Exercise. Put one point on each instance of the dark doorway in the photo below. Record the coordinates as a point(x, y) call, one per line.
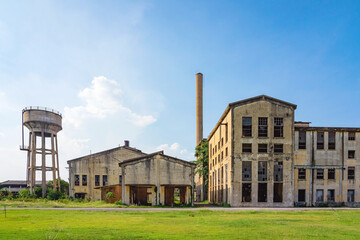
point(246, 192)
point(278, 192)
point(262, 192)
point(140, 195)
point(175, 195)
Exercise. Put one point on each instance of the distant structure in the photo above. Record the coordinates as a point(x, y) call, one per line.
point(43, 125)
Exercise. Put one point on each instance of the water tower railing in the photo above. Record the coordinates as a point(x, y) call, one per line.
point(42, 108)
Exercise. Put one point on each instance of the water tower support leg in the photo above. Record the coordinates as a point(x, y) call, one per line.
point(57, 163)
point(53, 162)
point(43, 155)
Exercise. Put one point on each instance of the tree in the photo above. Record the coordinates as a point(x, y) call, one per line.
point(202, 164)
point(64, 186)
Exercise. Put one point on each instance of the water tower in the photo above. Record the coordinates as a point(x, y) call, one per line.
point(42, 151)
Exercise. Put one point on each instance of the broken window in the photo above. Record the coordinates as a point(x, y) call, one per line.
point(278, 127)
point(320, 140)
point(263, 127)
point(302, 140)
point(278, 171)
point(350, 195)
point(226, 132)
point(77, 180)
point(351, 173)
point(226, 170)
point(319, 195)
point(301, 195)
point(331, 195)
point(278, 192)
point(247, 127)
point(246, 171)
point(331, 143)
point(319, 173)
point(105, 180)
point(278, 148)
point(262, 148)
point(262, 171)
point(97, 180)
point(351, 136)
point(120, 179)
point(331, 173)
point(262, 192)
point(302, 174)
point(246, 192)
point(351, 154)
point(246, 147)
point(84, 180)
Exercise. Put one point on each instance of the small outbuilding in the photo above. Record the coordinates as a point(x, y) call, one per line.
point(157, 179)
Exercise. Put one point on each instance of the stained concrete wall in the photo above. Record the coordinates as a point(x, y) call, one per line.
point(103, 163)
point(312, 159)
point(158, 171)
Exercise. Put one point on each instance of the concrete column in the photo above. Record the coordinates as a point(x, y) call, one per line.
point(43, 158)
point(53, 161)
point(123, 190)
point(199, 108)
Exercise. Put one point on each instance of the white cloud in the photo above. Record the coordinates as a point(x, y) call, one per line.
point(176, 150)
point(103, 98)
point(2, 134)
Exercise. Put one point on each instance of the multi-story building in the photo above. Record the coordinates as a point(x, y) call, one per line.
point(251, 154)
point(259, 156)
point(327, 165)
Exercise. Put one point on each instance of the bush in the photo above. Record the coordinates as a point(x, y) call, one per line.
point(24, 194)
point(110, 195)
point(119, 203)
point(53, 195)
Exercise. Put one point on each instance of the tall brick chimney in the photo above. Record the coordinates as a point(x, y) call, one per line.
point(199, 108)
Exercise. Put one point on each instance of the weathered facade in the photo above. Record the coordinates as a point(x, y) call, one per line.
point(157, 179)
point(91, 175)
point(251, 154)
point(327, 165)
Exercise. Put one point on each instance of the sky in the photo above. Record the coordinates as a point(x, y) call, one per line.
point(125, 70)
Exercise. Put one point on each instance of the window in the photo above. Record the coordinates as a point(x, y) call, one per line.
point(319, 173)
point(222, 142)
point(301, 195)
point(351, 154)
point(302, 174)
point(351, 136)
point(278, 127)
point(320, 140)
point(278, 192)
point(105, 180)
point(302, 140)
point(319, 195)
point(84, 180)
point(331, 173)
point(226, 176)
point(97, 180)
point(246, 147)
point(278, 171)
point(77, 180)
point(215, 160)
point(278, 148)
point(210, 150)
point(351, 173)
point(262, 192)
point(246, 192)
point(215, 148)
point(218, 174)
point(262, 171)
point(120, 179)
point(226, 152)
point(350, 195)
point(222, 155)
point(226, 132)
point(331, 195)
point(263, 127)
point(219, 145)
point(331, 142)
point(247, 126)
point(246, 171)
point(262, 148)
point(222, 175)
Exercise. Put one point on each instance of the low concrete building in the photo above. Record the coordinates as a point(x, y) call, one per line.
point(157, 179)
point(15, 186)
point(91, 175)
point(327, 165)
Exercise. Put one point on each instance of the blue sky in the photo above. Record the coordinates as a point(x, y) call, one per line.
point(126, 69)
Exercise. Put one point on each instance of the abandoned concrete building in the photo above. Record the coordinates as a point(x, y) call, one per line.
point(259, 156)
point(157, 179)
point(132, 176)
point(327, 165)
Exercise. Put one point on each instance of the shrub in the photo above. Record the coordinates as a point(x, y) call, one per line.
point(119, 203)
point(53, 195)
point(24, 194)
point(110, 195)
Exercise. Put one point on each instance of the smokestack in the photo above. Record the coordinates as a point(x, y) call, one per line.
point(199, 108)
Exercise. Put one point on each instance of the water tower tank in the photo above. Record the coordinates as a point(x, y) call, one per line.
point(42, 151)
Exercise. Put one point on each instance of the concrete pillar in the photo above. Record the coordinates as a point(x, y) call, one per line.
point(43, 168)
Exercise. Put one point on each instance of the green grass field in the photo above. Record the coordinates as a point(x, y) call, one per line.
point(201, 224)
